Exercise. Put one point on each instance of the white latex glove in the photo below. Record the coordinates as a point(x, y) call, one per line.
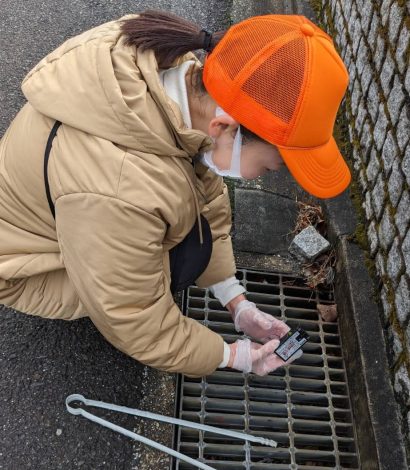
point(257, 358)
point(259, 325)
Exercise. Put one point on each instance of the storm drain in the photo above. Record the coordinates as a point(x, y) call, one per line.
point(304, 407)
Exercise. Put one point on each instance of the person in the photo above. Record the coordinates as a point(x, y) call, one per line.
point(111, 188)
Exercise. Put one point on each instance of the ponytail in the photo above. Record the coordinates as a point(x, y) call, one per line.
point(171, 37)
point(168, 35)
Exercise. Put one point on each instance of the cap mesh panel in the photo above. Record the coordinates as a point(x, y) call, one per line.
point(277, 83)
point(248, 42)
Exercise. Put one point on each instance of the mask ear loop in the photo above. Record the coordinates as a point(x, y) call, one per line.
point(235, 170)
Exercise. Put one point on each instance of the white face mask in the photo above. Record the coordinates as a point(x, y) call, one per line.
point(235, 169)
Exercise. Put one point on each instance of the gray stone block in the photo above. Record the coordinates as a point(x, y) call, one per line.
point(394, 262)
point(373, 101)
point(394, 345)
point(380, 264)
point(380, 128)
point(308, 244)
point(386, 74)
point(342, 42)
point(357, 161)
point(340, 31)
point(403, 127)
point(386, 304)
point(389, 153)
point(373, 168)
point(397, 345)
point(386, 230)
point(356, 95)
point(361, 56)
point(379, 54)
point(366, 77)
point(366, 12)
point(378, 196)
point(397, 14)
point(356, 35)
point(347, 56)
point(360, 116)
point(335, 8)
point(347, 5)
point(385, 10)
point(401, 49)
point(372, 36)
point(402, 301)
point(373, 238)
point(405, 247)
point(368, 206)
point(366, 140)
point(363, 180)
point(402, 217)
point(407, 80)
point(395, 184)
point(352, 72)
point(352, 18)
point(405, 164)
point(402, 381)
point(263, 221)
point(340, 21)
point(396, 101)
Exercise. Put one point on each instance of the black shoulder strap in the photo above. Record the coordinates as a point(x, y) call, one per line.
point(46, 157)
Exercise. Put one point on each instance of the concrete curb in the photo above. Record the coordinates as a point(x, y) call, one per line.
point(242, 9)
point(374, 407)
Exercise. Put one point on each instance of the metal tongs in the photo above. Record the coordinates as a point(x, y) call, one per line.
point(157, 417)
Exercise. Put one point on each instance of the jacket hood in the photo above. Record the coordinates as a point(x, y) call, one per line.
point(96, 84)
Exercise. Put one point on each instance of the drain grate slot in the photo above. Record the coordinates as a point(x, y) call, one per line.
point(304, 407)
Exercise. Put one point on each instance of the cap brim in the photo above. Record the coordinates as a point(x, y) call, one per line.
point(321, 171)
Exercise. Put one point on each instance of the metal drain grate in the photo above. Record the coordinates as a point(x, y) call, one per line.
point(304, 407)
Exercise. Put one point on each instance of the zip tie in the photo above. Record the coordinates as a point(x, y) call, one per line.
point(165, 419)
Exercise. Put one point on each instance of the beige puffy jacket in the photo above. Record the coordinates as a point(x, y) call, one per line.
point(125, 193)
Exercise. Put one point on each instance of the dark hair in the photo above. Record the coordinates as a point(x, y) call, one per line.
point(171, 37)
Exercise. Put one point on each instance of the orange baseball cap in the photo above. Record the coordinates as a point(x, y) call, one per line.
point(281, 77)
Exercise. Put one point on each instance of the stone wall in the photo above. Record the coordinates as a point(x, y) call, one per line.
point(372, 37)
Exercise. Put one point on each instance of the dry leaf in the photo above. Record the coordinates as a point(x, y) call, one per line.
point(328, 312)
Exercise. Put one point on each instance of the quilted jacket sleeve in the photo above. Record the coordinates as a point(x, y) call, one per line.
point(113, 254)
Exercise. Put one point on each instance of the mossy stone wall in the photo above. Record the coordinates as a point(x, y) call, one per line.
point(373, 39)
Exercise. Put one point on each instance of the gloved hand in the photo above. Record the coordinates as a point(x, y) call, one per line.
point(253, 357)
point(259, 325)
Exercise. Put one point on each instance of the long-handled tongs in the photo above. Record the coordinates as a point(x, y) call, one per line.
point(157, 417)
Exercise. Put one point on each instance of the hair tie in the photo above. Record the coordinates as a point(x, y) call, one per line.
point(206, 46)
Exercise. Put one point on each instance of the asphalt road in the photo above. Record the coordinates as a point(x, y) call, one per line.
point(31, 29)
point(42, 361)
